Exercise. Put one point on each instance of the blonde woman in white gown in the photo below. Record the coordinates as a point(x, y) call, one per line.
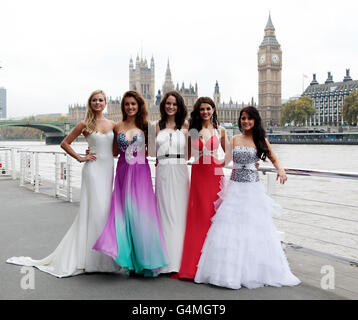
point(172, 179)
point(74, 254)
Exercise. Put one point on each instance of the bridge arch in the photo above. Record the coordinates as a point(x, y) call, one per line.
point(54, 131)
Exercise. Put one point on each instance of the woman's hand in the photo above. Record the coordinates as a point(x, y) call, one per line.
point(88, 157)
point(282, 175)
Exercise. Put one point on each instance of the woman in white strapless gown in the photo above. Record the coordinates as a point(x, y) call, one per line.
point(242, 247)
point(172, 178)
point(74, 254)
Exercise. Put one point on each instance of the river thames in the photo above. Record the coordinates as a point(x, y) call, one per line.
point(318, 213)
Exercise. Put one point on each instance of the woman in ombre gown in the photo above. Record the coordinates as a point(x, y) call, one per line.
point(133, 235)
point(206, 174)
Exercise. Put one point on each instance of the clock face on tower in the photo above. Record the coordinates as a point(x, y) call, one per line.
point(275, 58)
point(262, 59)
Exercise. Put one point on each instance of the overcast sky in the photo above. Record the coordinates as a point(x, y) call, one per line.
point(55, 53)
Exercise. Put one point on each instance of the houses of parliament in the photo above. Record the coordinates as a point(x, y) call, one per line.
point(142, 79)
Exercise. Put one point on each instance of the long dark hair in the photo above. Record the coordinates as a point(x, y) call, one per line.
point(258, 132)
point(181, 114)
point(196, 121)
point(141, 120)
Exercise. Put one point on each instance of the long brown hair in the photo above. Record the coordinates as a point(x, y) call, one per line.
point(196, 121)
point(141, 120)
point(258, 132)
point(179, 116)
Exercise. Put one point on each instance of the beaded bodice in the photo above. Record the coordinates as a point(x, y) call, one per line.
point(244, 169)
point(131, 149)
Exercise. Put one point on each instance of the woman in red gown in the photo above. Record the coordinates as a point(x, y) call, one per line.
point(207, 137)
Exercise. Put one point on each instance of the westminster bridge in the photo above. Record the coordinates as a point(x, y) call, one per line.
point(54, 131)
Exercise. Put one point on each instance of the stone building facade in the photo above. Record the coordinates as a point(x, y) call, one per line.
point(168, 84)
point(269, 59)
point(228, 112)
point(141, 79)
point(76, 112)
point(114, 109)
point(113, 112)
point(329, 98)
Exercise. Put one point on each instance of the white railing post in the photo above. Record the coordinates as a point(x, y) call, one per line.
point(13, 168)
point(270, 187)
point(22, 169)
point(7, 162)
point(37, 173)
point(68, 178)
point(57, 174)
point(32, 168)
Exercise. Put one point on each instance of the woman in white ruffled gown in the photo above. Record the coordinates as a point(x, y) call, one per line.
point(242, 247)
point(172, 178)
point(74, 254)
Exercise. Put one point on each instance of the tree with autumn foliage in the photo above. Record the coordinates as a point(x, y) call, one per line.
point(350, 108)
point(297, 111)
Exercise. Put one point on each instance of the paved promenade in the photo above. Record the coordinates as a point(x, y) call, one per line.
point(32, 224)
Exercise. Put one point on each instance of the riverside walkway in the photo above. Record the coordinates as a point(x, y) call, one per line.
point(32, 224)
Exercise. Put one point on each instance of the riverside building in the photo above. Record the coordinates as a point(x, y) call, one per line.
point(3, 114)
point(329, 98)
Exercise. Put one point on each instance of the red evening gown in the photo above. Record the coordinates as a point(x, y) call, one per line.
point(205, 185)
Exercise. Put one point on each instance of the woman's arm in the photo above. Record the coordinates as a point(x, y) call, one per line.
point(65, 144)
point(223, 138)
point(228, 153)
point(115, 145)
point(225, 145)
point(187, 149)
point(153, 130)
point(273, 158)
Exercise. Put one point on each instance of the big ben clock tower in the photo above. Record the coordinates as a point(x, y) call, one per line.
point(269, 67)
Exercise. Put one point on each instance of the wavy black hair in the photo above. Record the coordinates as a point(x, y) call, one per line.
point(196, 121)
point(181, 114)
point(258, 132)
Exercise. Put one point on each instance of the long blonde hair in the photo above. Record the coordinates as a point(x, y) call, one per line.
point(90, 118)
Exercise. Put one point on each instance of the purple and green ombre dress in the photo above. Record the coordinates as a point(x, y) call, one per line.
point(133, 235)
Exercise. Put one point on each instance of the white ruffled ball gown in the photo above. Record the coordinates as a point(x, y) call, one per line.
point(242, 247)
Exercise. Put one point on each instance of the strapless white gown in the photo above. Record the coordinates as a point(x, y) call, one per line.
point(242, 247)
point(74, 254)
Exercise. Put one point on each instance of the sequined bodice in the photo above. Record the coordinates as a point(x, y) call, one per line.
point(244, 159)
point(131, 149)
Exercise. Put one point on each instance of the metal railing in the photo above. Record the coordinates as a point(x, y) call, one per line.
point(320, 233)
point(54, 172)
point(66, 175)
point(7, 162)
